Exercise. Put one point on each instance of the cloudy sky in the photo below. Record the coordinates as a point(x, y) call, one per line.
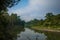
point(31, 9)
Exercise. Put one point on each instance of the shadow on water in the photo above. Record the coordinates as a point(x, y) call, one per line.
point(50, 35)
point(29, 34)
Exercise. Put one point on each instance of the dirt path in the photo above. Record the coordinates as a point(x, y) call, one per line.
point(45, 29)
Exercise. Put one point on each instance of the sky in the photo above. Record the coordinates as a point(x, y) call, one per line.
point(35, 9)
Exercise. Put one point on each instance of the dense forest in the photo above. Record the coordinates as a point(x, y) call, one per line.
point(10, 25)
point(50, 20)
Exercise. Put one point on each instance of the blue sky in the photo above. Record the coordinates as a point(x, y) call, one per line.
point(31, 9)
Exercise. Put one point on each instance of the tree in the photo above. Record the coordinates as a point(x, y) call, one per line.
point(50, 21)
point(7, 30)
point(4, 4)
point(49, 15)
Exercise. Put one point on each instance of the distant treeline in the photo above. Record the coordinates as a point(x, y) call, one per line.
point(10, 25)
point(50, 20)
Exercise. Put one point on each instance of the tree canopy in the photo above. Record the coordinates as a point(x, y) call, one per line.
point(4, 4)
point(10, 25)
point(50, 20)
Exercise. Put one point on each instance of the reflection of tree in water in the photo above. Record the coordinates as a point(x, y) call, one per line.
point(31, 35)
point(51, 35)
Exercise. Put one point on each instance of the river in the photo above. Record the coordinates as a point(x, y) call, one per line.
point(30, 34)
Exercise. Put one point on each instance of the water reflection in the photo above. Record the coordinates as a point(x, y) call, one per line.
point(50, 35)
point(29, 34)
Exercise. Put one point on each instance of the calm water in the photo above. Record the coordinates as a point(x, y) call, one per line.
point(29, 34)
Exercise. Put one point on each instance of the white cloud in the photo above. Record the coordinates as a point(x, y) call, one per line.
point(33, 5)
point(35, 8)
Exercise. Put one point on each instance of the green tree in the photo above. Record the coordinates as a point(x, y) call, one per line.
point(9, 25)
point(4, 4)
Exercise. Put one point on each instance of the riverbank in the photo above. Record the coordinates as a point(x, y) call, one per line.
point(46, 29)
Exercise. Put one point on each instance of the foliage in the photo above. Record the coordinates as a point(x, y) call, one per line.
point(4, 4)
point(51, 20)
point(10, 25)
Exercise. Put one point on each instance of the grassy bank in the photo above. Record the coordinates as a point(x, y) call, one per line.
point(46, 29)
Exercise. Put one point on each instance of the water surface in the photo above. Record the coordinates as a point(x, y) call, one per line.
point(30, 34)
